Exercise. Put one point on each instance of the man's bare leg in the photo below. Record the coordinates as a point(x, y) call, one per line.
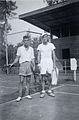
point(43, 87)
point(28, 79)
point(20, 88)
point(49, 84)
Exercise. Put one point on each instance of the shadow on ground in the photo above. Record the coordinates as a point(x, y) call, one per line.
point(14, 95)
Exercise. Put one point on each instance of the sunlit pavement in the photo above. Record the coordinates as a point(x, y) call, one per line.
point(64, 106)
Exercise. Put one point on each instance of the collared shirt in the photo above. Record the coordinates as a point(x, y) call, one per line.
point(25, 54)
point(46, 50)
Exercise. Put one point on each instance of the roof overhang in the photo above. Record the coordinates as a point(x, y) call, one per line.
point(52, 17)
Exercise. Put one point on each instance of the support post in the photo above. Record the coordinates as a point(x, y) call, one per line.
point(65, 66)
point(75, 75)
point(50, 35)
point(5, 34)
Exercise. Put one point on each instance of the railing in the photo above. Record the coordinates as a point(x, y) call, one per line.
point(65, 64)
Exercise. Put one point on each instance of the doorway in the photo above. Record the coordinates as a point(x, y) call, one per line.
point(66, 55)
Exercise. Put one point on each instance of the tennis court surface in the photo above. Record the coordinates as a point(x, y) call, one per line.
point(64, 106)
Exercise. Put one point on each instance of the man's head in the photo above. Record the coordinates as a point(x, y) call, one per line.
point(26, 41)
point(45, 38)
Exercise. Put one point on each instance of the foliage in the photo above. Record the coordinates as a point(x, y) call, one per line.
point(51, 2)
point(7, 8)
point(2, 55)
point(11, 53)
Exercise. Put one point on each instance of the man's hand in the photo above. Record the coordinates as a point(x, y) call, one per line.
point(15, 61)
point(54, 67)
point(11, 65)
point(32, 66)
point(39, 66)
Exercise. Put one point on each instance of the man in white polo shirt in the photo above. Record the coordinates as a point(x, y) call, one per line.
point(25, 55)
point(46, 63)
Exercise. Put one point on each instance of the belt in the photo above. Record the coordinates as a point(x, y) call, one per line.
point(25, 62)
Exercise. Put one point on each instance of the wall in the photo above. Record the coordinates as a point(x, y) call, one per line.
point(67, 42)
point(64, 43)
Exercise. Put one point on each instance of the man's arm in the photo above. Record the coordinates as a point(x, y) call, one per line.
point(39, 57)
point(54, 59)
point(33, 64)
point(15, 61)
point(33, 60)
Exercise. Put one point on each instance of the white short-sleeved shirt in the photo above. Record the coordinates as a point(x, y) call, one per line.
point(25, 54)
point(46, 50)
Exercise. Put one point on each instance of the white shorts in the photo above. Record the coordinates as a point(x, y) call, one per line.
point(46, 65)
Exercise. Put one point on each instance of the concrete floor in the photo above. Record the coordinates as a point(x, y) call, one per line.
point(64, 106)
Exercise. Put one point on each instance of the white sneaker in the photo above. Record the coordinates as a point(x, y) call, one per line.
point(28, 97)
point(42, 95)
point(50, 93)
point(18, 99)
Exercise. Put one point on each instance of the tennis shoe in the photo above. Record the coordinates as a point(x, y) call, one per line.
point(51, 94)
point(18, 99)
point(29, 97)
point(42, 95)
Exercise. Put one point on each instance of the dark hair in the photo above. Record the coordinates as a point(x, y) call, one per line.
point(25, 37)
point(44, 35)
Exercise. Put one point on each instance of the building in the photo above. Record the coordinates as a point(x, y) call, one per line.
point(62, 20)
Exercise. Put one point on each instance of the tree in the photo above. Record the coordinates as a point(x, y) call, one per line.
point(51, 2)
point(7, 8)
point(11, 53)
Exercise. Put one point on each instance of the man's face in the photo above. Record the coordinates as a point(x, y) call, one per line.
point(45, 39)
point(26, 42)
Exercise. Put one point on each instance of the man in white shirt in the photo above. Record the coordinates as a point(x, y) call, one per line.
point(46, 63)
point(25, 56)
